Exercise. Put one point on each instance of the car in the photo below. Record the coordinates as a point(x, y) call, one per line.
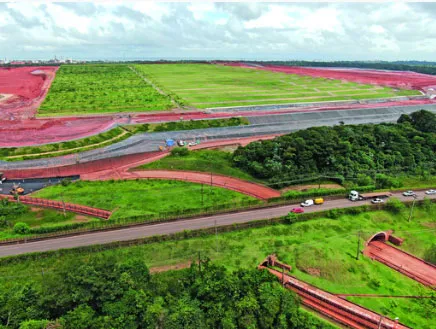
point(377, 200)
point(409, 193)
point(192, 144)
point(307, 203)
point(297, 210)
point(430, 192)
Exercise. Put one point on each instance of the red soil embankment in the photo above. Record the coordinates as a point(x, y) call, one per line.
point(407, 264)
point(401, 79)
point(29, 85)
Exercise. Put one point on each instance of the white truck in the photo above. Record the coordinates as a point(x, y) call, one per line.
point(356, 196)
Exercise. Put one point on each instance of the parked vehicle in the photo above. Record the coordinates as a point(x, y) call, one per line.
point(430, 192)
point(356, 196)
point(377, 200)
point(307, 203)
point(297, 210)
point(409, 193)
point(319, 201)
point(181, 143)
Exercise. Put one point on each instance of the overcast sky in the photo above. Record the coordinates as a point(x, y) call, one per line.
point(311, 31)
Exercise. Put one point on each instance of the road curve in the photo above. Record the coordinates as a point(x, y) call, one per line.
point(173, 227)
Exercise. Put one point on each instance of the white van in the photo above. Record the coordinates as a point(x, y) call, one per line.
point(307, 203)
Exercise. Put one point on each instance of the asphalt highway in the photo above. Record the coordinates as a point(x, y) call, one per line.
point(175, 226)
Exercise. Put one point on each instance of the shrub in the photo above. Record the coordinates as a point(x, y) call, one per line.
point(395, 206)
point(430, 254)
point(179, 151)
point(21, 228)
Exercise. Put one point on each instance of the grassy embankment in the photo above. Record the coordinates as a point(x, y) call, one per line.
point(205, 86)
point(37, 218)
point(139, 197)
point(321, 251)
point(110, 137)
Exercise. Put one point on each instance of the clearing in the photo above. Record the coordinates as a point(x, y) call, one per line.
point(209, 86)
point(89, 89)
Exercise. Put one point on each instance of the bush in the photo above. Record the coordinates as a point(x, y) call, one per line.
point(395, 206)
point(430, 254)
point(291, 218)
point(179, 151)
point(21, 228)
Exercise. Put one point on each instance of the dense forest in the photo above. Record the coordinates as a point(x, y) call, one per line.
point(420, 67)
point(350, 151)
point(104, 294)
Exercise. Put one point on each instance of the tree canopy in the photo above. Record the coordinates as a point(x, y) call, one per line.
point(347, 150)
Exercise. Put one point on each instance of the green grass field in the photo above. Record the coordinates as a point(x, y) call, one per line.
point(208, 86)
point(324, 247)
point(107, 88)
point(132, 198)
point(215, 161)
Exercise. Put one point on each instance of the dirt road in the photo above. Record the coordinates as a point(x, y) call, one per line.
point(173, 227)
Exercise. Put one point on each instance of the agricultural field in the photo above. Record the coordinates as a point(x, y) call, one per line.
point(321, 251)
point(89, 89)
point(139, 197)
point(209, 86)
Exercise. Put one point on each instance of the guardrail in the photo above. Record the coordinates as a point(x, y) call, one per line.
point(60, 205)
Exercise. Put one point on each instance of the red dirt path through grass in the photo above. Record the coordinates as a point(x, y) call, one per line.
point(28, 85)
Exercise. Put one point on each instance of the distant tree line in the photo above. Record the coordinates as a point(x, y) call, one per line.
point(103, 293)
point(363, 151)
point(415, 66)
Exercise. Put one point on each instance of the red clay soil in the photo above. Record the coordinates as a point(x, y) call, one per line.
point(29, 85)
point(28, 132)
point(334, 307)
point(238, 185)
point(400, 79)
point(405, 263)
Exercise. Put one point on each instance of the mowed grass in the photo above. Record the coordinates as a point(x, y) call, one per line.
point(138, 197)
point(324, 247)
point(102, 88)
point(208, 86)
point(210, 161)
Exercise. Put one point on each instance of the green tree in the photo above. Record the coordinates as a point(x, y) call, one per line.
point(21, 228)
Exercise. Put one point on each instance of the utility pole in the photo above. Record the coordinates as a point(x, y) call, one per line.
point(411, 209)
point(380, 322)
point(283, 277)
point(216, 237)
point(63, 204)
point(358, 245)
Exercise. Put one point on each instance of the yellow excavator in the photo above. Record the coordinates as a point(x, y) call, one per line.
point(17, 189)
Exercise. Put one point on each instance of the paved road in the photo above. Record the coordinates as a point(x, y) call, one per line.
point(172, 227)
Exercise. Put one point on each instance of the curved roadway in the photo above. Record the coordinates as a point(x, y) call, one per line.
point(259, 125)
point(137, 232)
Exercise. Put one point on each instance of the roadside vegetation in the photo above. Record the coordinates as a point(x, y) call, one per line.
point(100, 88)
point(208, 86)
point(321, 251)
point(110, 137)
point(18, 220)
point(141, 197)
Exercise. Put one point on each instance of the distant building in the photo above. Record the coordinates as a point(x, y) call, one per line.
point(18, 63)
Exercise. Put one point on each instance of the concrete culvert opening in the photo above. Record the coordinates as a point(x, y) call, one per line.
point(380, 236)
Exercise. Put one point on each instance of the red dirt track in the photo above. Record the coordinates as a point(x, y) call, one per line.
point(230, 183)
point(405, 263)
point(401, 79)
point(334, 307)
point(28, 90)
